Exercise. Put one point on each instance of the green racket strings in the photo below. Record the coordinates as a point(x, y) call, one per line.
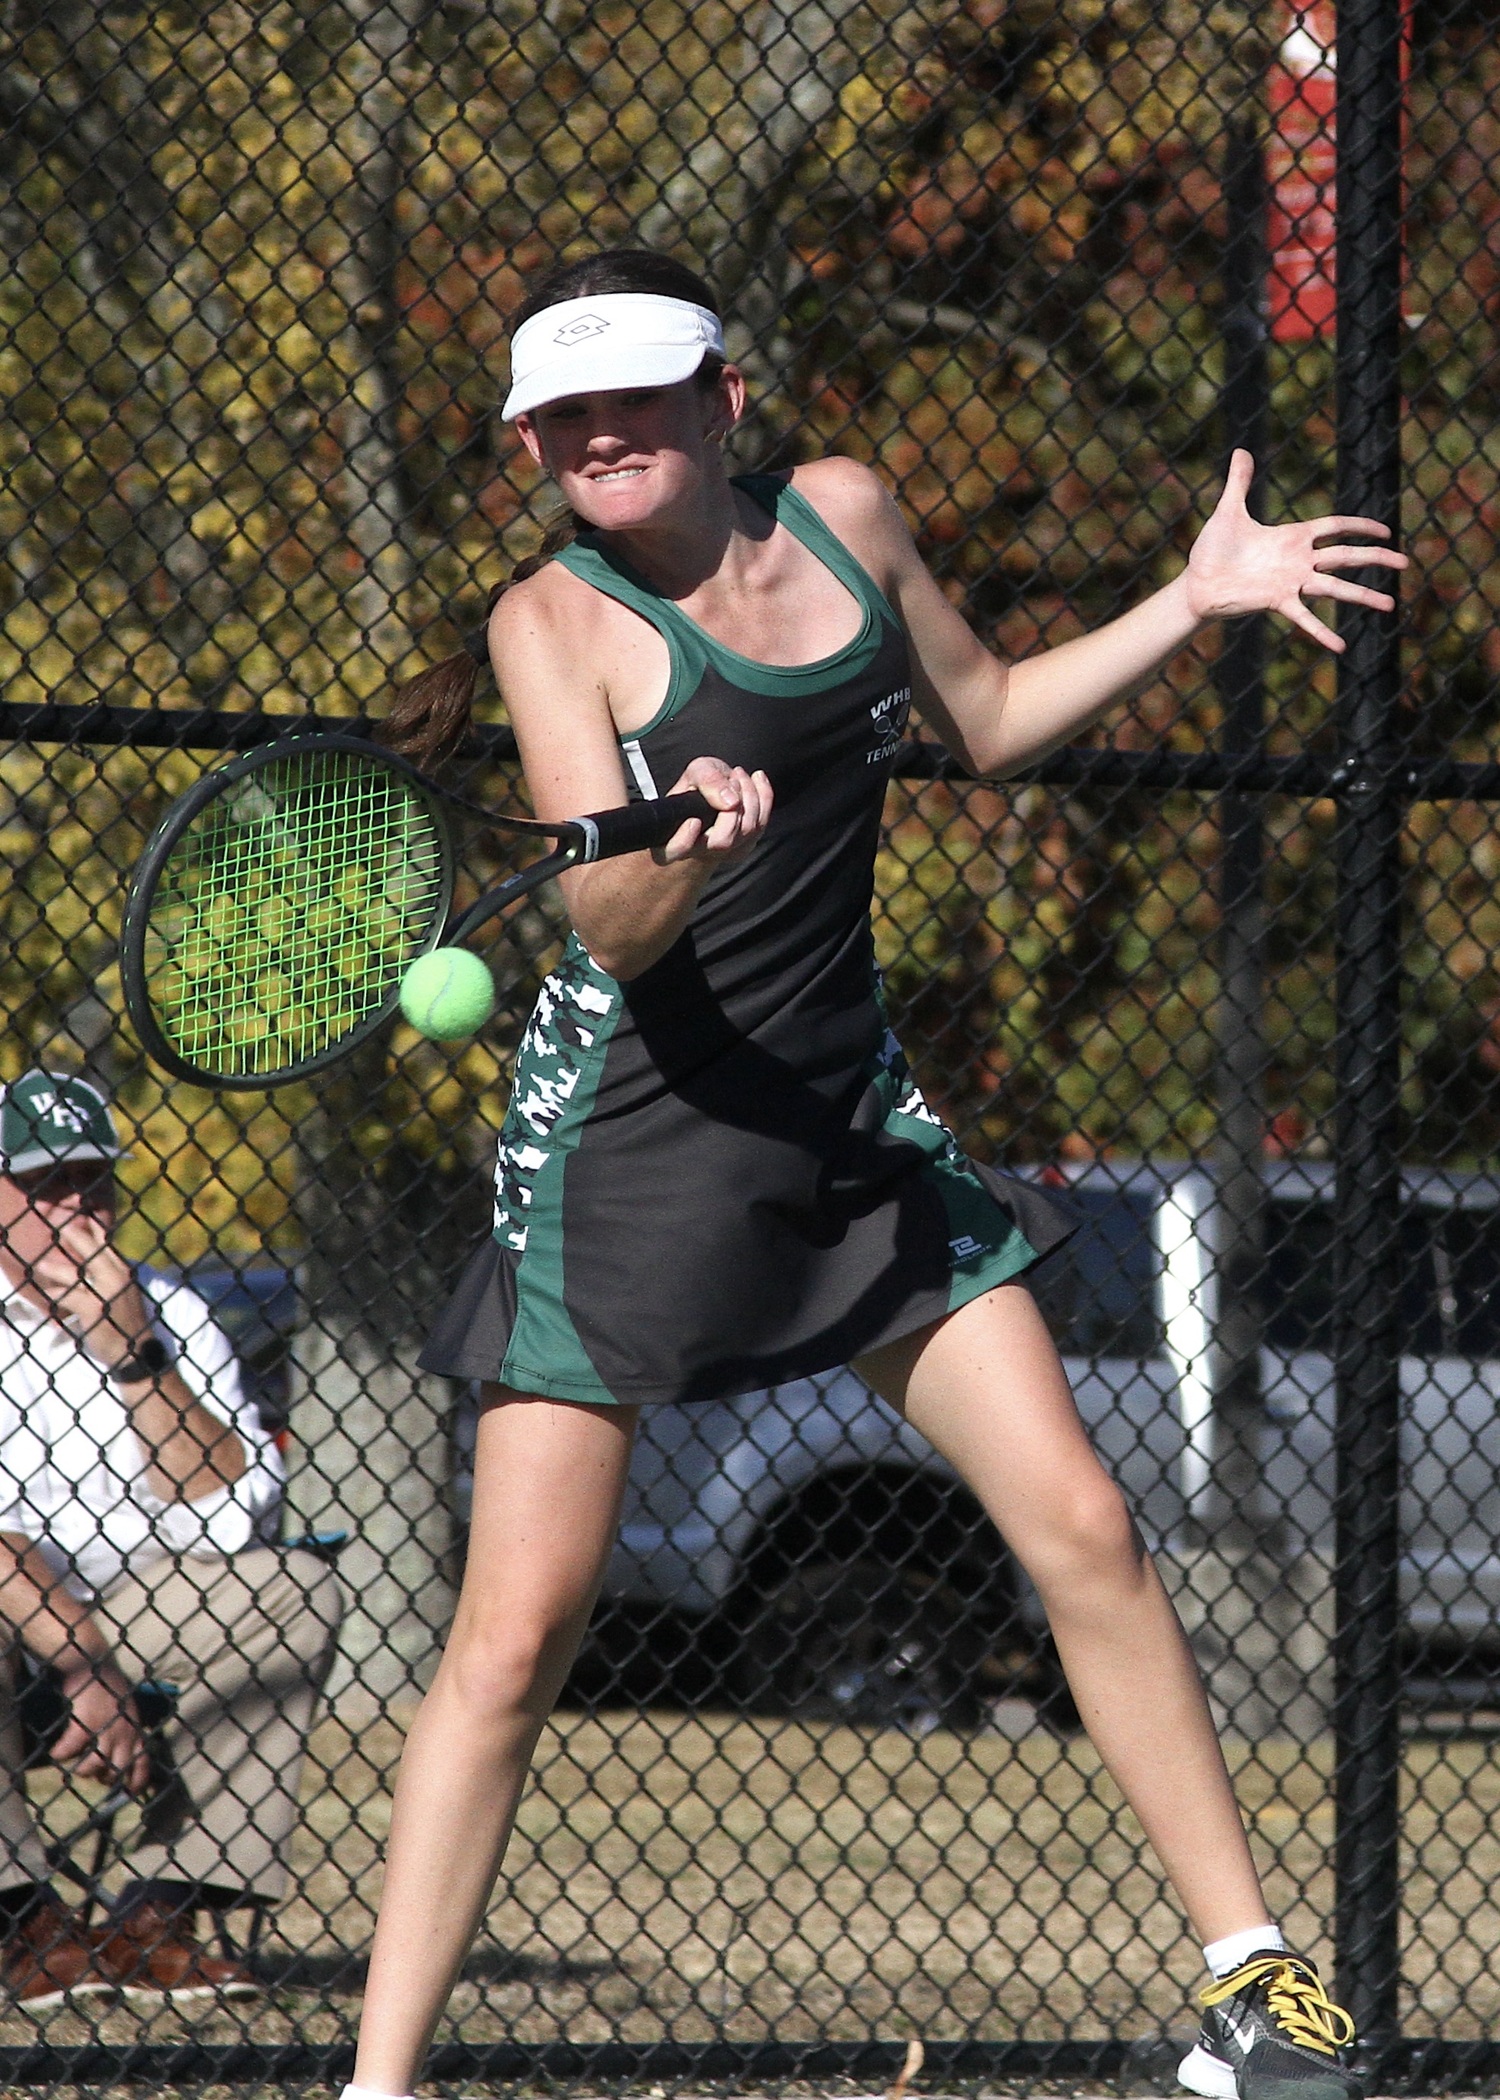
point(287, 912)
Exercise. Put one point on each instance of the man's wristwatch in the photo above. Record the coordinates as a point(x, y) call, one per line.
point(149, 1361)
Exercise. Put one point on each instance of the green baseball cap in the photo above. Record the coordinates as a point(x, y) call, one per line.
point(48, 1116)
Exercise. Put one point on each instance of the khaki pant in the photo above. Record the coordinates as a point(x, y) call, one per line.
point(248, 1642)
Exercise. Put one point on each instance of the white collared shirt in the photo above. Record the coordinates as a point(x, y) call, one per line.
point(72, 1471)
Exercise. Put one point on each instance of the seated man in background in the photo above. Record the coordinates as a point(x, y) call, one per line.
point(136, 1486)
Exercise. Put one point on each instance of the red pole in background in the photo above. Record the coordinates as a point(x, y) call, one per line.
point(1301, 152)
point(1301, 157)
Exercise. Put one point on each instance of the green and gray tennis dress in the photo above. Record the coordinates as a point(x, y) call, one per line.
point(719, 1175)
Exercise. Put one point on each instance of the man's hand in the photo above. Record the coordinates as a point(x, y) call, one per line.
point(91, 1290)
point(1238, 566)
point(103, 1738)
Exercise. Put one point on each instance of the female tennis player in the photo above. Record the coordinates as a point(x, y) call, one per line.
point(715, 1173)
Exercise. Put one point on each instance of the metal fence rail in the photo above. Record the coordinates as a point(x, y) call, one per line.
point(1225, 977)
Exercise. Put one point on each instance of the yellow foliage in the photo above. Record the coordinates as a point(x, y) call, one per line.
point(189, 481)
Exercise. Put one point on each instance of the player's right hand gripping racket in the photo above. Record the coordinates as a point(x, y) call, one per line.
point(281, 900)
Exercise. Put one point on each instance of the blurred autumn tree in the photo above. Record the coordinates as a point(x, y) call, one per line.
point(257, 268)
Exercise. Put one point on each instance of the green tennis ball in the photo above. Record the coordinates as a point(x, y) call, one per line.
point(447, 994)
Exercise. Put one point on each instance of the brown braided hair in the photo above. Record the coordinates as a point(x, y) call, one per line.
point(431, 713)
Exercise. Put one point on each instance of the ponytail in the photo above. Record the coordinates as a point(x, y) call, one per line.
point(433, 712)
point(430, 715)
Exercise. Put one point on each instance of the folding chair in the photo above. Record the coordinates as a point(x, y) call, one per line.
point(323, 1545)
point(43, 1715)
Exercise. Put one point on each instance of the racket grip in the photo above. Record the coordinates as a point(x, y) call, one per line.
point(639, 825)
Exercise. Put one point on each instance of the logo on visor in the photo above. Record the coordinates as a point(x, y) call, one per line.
point(580, 330)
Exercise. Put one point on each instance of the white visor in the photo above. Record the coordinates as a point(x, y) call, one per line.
point(603, 345)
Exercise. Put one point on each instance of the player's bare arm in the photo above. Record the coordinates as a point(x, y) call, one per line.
point(995, 718)
point(548, 640)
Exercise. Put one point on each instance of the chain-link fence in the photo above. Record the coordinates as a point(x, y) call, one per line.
point(1226, 978)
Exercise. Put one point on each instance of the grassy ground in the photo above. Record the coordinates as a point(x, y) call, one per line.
point(682, 1876)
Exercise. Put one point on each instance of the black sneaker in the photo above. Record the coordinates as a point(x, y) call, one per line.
point(1271, 2032)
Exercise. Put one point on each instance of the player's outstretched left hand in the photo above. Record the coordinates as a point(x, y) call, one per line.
point(1238, 566)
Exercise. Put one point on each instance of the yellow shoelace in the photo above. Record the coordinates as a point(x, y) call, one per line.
point(1295, 1998)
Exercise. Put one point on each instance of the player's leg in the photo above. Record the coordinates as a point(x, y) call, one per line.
point(987, 1389)
point(548, 1481)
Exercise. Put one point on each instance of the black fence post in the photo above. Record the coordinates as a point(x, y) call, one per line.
point(1233, 1499)
point(1367, 1675)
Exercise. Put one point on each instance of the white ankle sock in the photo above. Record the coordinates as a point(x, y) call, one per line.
point(364, 2092)
point(1223, 1956)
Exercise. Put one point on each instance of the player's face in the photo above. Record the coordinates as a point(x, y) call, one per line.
point(634, 457)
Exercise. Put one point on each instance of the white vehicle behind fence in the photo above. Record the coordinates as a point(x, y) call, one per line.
point(812, 1549)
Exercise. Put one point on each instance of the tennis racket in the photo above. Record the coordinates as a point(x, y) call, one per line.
point(281, 900)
